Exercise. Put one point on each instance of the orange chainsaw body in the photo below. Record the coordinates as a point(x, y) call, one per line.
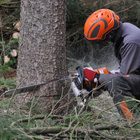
point(103, 70)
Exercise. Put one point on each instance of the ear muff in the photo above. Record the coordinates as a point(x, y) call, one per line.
point(111, 36)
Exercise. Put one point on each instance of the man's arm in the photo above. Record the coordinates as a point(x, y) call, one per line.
point(130, 62)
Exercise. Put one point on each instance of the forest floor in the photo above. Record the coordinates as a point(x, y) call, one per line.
point(101, 122)
point(9, 74)
point(6, 79)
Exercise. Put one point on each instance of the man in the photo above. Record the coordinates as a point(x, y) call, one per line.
point(105, 25)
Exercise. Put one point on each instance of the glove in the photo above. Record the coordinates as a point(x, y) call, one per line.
point(91, 75)
point(87, 78)
point(91, 78)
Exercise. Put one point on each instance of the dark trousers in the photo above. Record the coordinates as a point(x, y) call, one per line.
point(122, 87)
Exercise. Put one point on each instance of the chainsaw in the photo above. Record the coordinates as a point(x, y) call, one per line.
point(79, 83)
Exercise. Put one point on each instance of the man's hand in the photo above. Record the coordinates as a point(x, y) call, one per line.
point(87, 78)
point(91, 77)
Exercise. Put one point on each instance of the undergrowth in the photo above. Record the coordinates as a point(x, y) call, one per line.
point(100, 121)
point(7, 83)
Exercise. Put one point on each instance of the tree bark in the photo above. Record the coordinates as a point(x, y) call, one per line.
point(42, 52)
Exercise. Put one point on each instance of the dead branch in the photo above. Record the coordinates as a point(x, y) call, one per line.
point(38, 117)
point(112, 3)
point(106, 127)
point(128, 8)
point(46, 130)
point(60, 131)
point(104, 135)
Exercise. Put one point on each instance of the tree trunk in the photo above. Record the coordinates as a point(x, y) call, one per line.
point(42, 52)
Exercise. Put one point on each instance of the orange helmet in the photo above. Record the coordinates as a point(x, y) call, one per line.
point(100, 23)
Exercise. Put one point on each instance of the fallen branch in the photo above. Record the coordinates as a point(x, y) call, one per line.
point(46, 130)
point(106, 127)
point(36, 118)
point(59, 132)
point(104, 135)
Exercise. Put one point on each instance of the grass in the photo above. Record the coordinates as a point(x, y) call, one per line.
point(101, 122)
point(7, 83)
point(65, 120)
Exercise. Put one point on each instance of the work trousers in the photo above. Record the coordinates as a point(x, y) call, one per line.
point(122, 87)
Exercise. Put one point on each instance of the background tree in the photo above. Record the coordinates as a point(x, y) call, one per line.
point(84, 51)
point(42, 55)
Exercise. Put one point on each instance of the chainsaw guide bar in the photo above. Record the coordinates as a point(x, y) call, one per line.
point(31, 87)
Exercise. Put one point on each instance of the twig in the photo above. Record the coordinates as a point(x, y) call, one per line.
point(70, 124)
point(104, 135)
point(38, 117)
point(65, 104)
point(11, 97)
point(78, 61)
point(106, 127)
point(75, 33)
point(128, 8)
point(21, 130)
point(53, 108)
point(62, 130)
point(29, 118)
point(112, 3)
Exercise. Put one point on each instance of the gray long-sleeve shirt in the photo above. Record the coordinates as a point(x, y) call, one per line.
point(127, 45)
